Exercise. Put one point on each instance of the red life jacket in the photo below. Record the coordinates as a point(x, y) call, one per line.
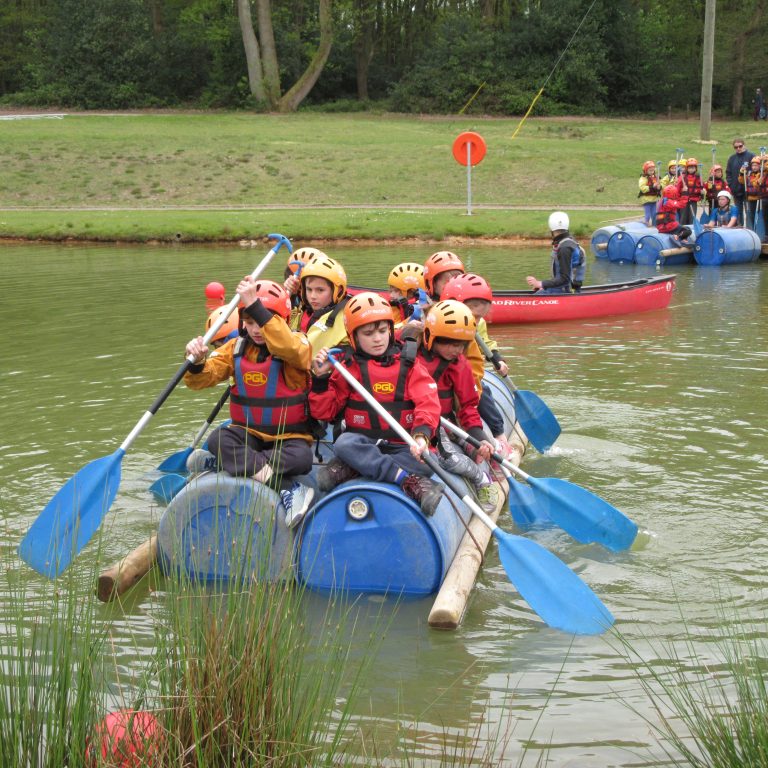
point(713, 186)
point(260, 398)
point(754, 186)
point(436, 366)
point(387, 383)
point(666, 216)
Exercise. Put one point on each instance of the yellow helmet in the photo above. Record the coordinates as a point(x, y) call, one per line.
point(672, 165)
point(329, 270)
point(407, 277)
point(303, 256)
point(449, 319)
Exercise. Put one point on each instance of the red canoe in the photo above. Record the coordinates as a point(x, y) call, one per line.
point(625, 298)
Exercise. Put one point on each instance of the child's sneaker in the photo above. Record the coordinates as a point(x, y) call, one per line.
point(334, 473)
point(424, 491)
point(200, 461)
point(488, 497)
point(296, 502)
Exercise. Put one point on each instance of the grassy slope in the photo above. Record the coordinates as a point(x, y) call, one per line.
point(237, 162)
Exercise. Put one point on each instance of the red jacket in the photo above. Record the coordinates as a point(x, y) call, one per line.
point(455, 388)
point(666, 216)
point(693, 182)
point(713, 187)
point(329, 397)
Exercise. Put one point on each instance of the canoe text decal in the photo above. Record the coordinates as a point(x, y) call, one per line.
point(525, 302)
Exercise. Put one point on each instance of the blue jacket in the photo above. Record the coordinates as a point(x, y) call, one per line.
point(735, 161)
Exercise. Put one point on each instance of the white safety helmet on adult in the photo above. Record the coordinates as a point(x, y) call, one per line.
point(725, 193)
point(558, 220)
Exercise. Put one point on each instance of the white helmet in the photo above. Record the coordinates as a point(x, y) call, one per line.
point(725, 193)
point(558, 220)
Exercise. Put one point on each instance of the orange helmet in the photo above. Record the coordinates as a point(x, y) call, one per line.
point(330, 270)
point(407, 277)
point(364, 308)
point(648, 166)
point(691, 161)
point(436, 264)
point(466, 286)
point(715, 168)
point(274, 297)
point(230, 324)
point(671, 192)
point(449, 320)
point(304, 256)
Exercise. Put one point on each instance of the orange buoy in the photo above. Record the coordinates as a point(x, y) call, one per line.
point(126, 738)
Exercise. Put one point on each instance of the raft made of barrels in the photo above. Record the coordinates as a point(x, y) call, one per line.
point(653, 248)
point(600, 237)
point(722, 245)
point(621, 245)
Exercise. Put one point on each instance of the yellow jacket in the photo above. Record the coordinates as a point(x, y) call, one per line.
point(646, 195)
point(291, 347)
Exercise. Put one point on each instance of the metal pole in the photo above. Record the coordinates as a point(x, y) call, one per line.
point(469, 178)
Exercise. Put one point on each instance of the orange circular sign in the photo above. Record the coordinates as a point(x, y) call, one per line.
point(476, 144)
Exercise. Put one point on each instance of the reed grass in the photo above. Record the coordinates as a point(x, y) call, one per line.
point(710, 714)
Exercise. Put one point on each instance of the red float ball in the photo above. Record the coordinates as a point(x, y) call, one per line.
point(214, 296)
point(126, 739)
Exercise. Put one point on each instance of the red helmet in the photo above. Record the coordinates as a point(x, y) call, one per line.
point(648, 166)
point(466, 286)
point(691, 161)
point(436, 264)
point(364, 308)
point(274, 297)
point(715, 168)
point(671, 192)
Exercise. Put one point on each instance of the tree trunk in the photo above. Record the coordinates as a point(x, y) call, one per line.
point(364, 35)
point(300, 89)
point(740, 44)
point(251, 47)
point(268, 53)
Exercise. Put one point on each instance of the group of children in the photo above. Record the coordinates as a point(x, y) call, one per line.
point(670, 203)
point(416, 352)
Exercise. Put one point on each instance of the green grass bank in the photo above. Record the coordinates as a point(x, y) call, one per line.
point(228, 176)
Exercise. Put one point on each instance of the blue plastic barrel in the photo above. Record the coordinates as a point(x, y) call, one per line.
point(726, 246)
point(621, 245)
point(649, 247)
point(600, 237)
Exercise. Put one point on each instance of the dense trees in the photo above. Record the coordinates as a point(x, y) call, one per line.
point(407, 55)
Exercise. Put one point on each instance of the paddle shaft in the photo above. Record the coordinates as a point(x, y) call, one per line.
point(451, 427)
point(452, 482)
point(189, 361)
point(214, 413)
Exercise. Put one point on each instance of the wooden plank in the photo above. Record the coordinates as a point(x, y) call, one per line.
point(674, 251)
point(452, 599)
point(124, 574)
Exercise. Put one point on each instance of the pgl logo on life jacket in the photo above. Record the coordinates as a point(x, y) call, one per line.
point(255, 378)
point(384, 388)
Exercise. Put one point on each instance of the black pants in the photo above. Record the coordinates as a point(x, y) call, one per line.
point(242, 454)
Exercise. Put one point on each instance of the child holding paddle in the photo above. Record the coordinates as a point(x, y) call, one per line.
point(690, 188)
point(714, 184)
point(448, 329)
point(404, 282)
point(270, 436)
point(368, 447)
point(292, 276)
point(474, 292)
point(323, 293)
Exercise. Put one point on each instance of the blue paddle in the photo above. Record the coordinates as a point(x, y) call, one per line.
point(580, 513)
point(75, 513)
point(177, 462)
point(167, 486)
point(537, 420)
point(552, 589)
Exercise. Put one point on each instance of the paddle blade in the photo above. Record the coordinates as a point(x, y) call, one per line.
point(550, 587)
point(72, 516)
point(582, 514)
point(176, 462)
point(524, 508)
point(537, 420)
point(167, 486)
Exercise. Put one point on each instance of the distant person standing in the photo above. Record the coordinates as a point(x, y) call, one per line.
point(759, 104)
point(568, 261)
point(739, 159)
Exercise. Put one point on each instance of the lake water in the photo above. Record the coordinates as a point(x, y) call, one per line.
point(663, 414)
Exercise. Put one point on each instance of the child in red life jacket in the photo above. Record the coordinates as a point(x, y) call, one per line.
point(404, 282)
point(448, 329)
point(690, 189)
point(666, 216)
point(474, 292)
point(323, 294)
point(269, 438)
point(650, 191)
point(714, 184)
point(368, 447)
